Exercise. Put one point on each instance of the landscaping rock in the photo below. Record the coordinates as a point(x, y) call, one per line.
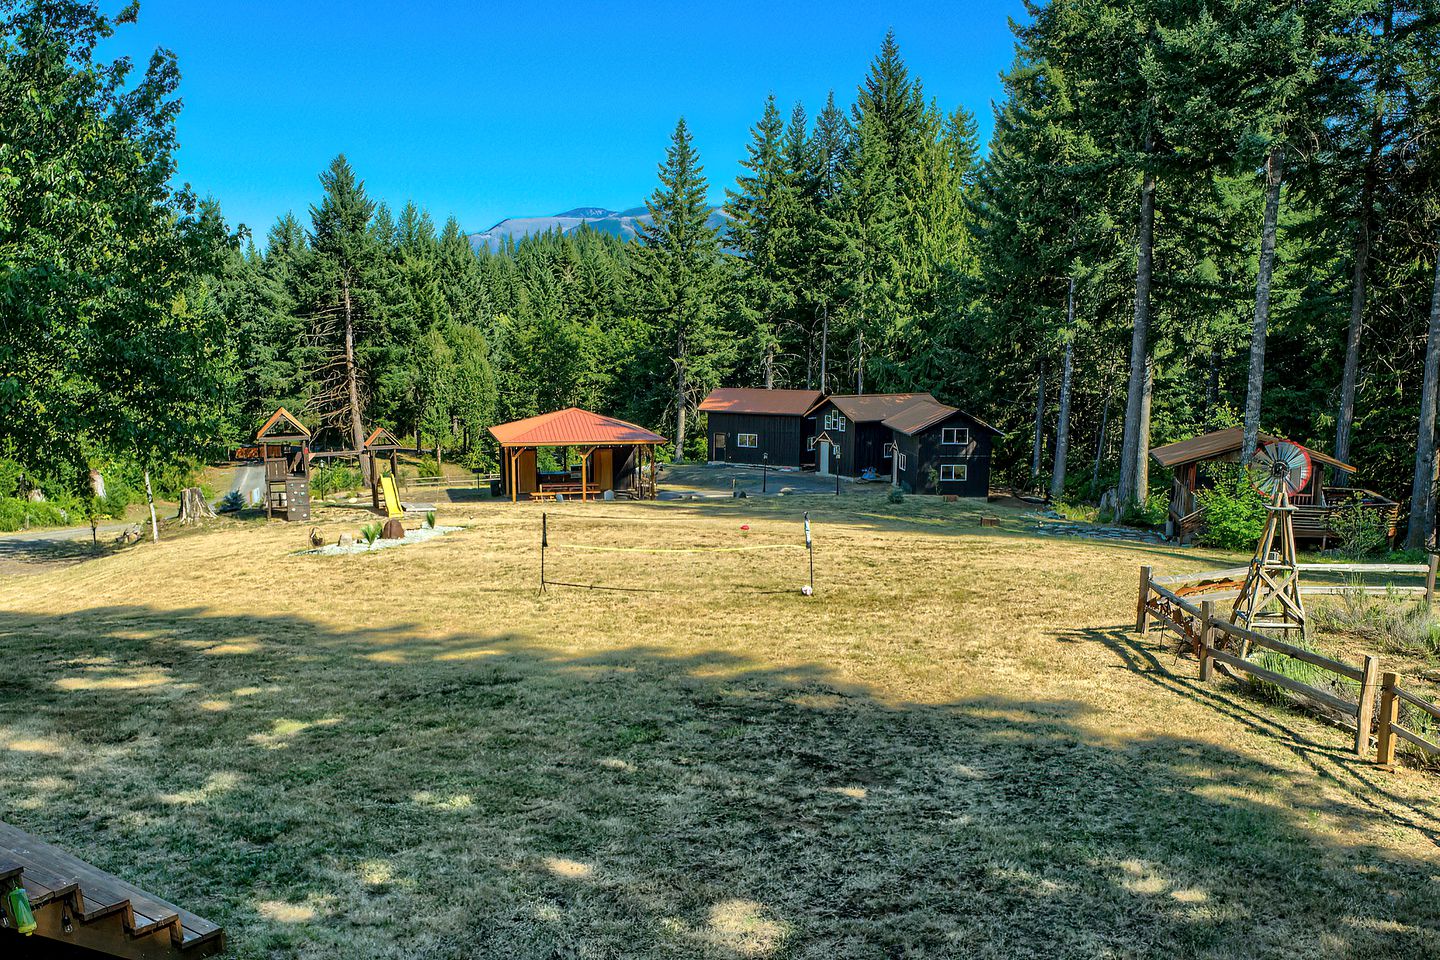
point(345, 542)
point(393, 530)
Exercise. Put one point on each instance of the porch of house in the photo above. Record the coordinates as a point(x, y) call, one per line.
point(1316, 504)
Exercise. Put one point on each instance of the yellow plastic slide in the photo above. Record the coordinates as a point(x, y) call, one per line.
point(392, 497)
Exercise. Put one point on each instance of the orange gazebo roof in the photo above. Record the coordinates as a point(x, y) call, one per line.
point(571, 427)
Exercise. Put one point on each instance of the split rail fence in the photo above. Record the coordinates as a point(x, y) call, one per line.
point(1187, 605)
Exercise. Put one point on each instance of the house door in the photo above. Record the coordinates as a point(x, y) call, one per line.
point(824, 449)
point(717, 447)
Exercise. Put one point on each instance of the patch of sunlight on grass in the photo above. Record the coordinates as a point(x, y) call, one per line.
point(569, 869)
point(854, 793)
point(741, 926)
point(615, 763)
point(376, 873)
point(472, 653)
point(215, 706)
point(1190, 895)
point(217, 784)
point(249, 691)
point(440, 801)
point(234, 648)
point(386, 656)
point(282, 731)
point(282, 912)
point(121, 678)
point(24, 744)
point(968, 772)
point(1141, 878)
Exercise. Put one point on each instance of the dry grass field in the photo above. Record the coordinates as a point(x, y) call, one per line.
point(957, 748)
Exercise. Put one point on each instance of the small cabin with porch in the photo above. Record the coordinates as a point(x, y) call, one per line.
point(1192, 463)
point(759, 426)
point(616, 458)
point(936, 448)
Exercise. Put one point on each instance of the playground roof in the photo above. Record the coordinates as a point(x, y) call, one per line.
point(919, 416)
point(279, 419)
point(571, 427)
point(1224, 444)
point(785, 403)
point(381, 439)
point(869, 407)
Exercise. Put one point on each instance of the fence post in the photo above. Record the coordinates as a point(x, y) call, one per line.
point(1430, 577)
point(1389, 716)
point(1207, 639)
point(1370, 677)
point(1142, 609)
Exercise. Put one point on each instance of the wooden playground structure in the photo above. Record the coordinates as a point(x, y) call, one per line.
point(283, 445)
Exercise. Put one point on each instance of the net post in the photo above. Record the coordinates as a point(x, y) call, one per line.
point(544, 542)
point(810, 549)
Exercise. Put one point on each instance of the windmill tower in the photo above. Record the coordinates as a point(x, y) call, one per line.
point(1270, 598)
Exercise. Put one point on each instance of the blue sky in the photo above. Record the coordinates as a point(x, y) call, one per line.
point(488, 110)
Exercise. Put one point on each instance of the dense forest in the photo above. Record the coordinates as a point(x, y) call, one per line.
point(1189, 215)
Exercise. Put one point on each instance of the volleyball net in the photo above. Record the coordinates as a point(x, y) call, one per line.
point(666, 555)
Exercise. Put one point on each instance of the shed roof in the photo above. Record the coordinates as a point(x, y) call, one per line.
point(870, 407)
point(1221, 443)
point(789, 403)
point(571, 426)
point(920, 416)
point(273, 429)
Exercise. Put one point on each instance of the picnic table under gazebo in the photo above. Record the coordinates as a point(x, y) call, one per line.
point(615, 457)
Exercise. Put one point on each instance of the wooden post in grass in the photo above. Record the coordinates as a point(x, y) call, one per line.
point(1389, 717)
point(1370, 679)
point(1207, 639)
point(1142, 608)
point(544, 542)
point(1430, 578)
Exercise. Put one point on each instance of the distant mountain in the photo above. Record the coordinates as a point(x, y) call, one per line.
point(621, 223)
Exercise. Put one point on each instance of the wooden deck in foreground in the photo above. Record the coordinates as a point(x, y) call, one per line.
point(78, 904)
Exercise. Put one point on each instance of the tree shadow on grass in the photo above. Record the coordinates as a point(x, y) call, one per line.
point(374, 793)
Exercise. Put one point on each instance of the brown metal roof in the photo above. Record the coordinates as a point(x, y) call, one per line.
point(920, 416)
point(1221, 443)
point(870, 407)
point(788, 403)
point(571, 427)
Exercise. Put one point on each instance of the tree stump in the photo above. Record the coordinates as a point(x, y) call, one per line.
point(393, 530)
point(194, 507)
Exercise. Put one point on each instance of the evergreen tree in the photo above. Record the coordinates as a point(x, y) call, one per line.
point(678, 274)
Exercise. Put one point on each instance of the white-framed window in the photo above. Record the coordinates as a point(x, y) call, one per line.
point(900, 460)
point(809, 443)
point(889, 451)
point(746, 440)
point(835, 420)
point(953, 471)
point(955, 436)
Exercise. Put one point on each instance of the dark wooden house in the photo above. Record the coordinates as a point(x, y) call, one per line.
point(853, 439)
point(940, 449)
point(757, 426)
point(1194, 463)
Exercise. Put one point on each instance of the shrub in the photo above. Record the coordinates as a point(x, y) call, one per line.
point(1153, 514)
point(232, 502)
point(1362, 532)
point(19, 514)
point(430, 519)
point(895, 496)
point(335, 477)
point(371, 532)
point(429, 468)
point(1077, 512)
point(1234, 514)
